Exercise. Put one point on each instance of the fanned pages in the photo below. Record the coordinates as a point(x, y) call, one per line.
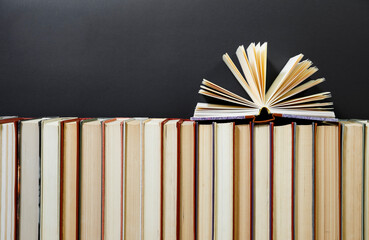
point(277, 99)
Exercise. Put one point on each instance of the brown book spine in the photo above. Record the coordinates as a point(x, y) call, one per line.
point(16, 185)
point(61, 195)
point(61, 222)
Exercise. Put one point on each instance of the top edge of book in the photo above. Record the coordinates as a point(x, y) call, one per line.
point(299, 117)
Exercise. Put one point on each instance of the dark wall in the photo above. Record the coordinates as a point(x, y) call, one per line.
point(148, 57)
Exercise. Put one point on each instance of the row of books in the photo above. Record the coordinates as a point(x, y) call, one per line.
point(138, 178)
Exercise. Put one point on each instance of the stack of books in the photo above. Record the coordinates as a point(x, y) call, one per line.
point(138, 178)
point(265, 167)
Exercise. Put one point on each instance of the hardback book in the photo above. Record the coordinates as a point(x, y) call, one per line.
point(133, 156)
point(327, 182)
point(112, 178)
point(242, 181)
point(352, 160)
point(50, 178)
point(69, 178)
point(90, 179)
point(303, 182)
point(223, 180)
point(170, 202)
point(366, 182)
point(283, 182)
point(262, 185)
point(29, 202)
point(8, 178)
point(280, 98)
point(152, 178)
point(205, 181)
point(187, 217)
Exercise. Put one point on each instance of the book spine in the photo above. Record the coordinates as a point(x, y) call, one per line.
point(61, 232)
point(162, 176)
point(232, 163)
point(179, 123)
point(363, 185)
point(340, 147)
point(194, 177)
point(271, 175)
point(17, 188)
point(252, 180)
point(196, 174)
point(293, 126)
point(314, 177)
point(213, 180)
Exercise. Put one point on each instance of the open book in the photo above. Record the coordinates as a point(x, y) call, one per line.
point(277, 99)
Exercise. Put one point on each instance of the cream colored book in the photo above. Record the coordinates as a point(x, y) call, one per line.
point(113, 178)
point(205, 182)
point(152, 179)
point(327, 183)
point(304, 187)
point(133, 156)
point(187, 181)
point(30, 176)
point(282, 182)
point(170, 179)
point(280, 98)
point(50, 179)
point(90, 179)
point(261, 181)
point(352, 180)
point(69, 179)
point(242, 182)
point(223, 180)
point(7, 181)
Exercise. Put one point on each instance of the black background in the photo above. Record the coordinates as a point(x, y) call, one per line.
point(148, 57)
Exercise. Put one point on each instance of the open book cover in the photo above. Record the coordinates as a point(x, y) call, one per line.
point(279, 99)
